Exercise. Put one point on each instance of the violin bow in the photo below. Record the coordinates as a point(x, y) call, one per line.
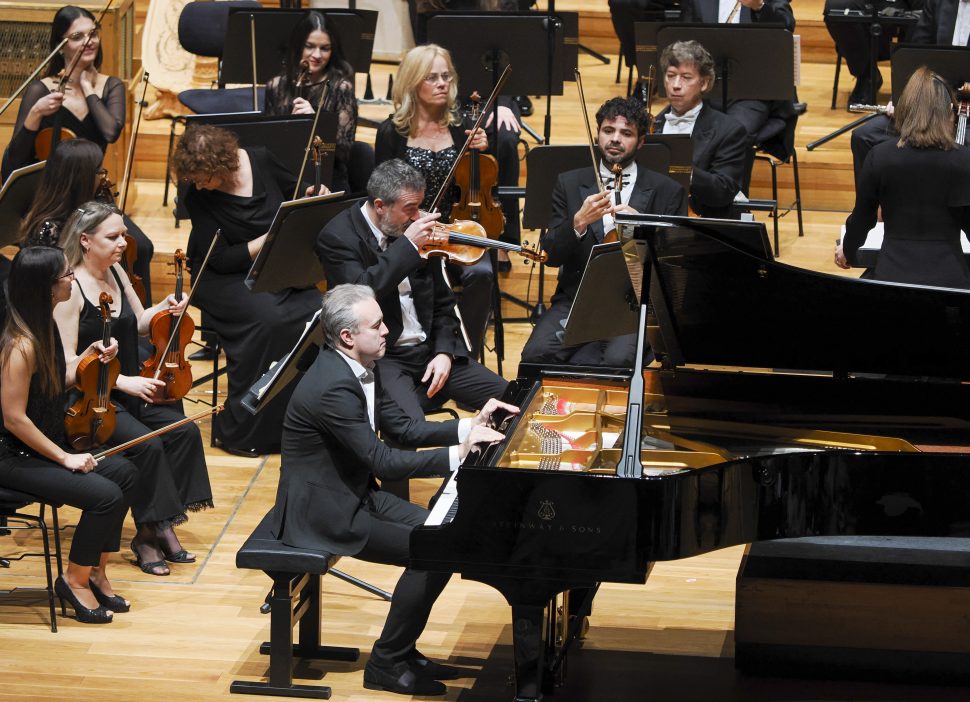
point(309, 143)
point(464, 149)
point(589, 131)
point(98, 457)
point(131, 143)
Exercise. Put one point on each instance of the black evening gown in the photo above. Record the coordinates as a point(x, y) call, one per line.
point(256, 329)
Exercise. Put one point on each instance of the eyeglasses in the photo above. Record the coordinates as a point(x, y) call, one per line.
point(433, 78)
point(81, 36)
point(69, 274)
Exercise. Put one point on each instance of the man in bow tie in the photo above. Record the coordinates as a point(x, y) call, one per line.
point(720, 142)
point(582, 216)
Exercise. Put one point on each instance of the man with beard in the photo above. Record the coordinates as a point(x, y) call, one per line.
point(377, 244)
point(581, 218)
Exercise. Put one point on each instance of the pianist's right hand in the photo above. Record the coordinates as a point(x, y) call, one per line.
point(479, 434)
point(486, 415)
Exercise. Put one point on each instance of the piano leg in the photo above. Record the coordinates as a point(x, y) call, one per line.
point(529, 651)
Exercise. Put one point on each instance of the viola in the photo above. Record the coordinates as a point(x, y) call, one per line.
point(302, 79)
point(963, 111)
point(171, 333)
point(106, 193)
point(617, 170)
point(44, 142)
point(476, 176)
point(464, 242)
point(90, 421)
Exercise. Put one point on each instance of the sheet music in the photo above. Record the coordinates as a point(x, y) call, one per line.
point(797, 46)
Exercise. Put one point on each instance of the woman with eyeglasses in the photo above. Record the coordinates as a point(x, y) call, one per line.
point(313, 60)
point(922, 216)
point(173, 478)
point(34, 457)
point(92, 105)
point(72, 176)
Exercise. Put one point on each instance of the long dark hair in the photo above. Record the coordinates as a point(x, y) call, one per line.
point(62, 22)
point(336, 70)
point(67, 182)
point(30, 312)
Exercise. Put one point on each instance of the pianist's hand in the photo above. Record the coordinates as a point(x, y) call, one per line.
point(478, 435)
point(840, 259)
point(484, 418)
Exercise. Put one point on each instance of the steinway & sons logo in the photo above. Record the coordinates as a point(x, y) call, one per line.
point(546, 513)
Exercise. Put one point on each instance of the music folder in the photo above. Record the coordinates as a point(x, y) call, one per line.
point(288, 257)
point(16, 197)
point(288, 368)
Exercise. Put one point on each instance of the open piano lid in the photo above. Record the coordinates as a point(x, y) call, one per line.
point(719, 304)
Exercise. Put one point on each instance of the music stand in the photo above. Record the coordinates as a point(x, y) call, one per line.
point(285, 136)
point(605, 304)
point(738, 51)
point(288, 257)
point(16, 197)
point(288, 368)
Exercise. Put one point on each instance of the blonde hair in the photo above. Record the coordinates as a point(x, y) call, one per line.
point(84, 220)
point(414, 68)
point(924, 115)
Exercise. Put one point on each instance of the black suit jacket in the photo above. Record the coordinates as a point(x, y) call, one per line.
point(331, 457)
point(652, 193)
point(774, 11)
point(937, 23)
point(719, 149)
point(349, 253)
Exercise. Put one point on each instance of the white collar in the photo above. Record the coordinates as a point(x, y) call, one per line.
point(363, 374)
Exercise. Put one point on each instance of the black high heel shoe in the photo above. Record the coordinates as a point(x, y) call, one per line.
point(85, 615)
point(113, 602)
point(149, 568)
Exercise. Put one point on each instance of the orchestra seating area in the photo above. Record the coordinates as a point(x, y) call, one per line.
point(192, 633)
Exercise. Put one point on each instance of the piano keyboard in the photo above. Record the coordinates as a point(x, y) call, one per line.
point(447, 505)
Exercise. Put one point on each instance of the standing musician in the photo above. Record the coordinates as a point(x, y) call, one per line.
point(173, 477)
point(328, 498)
point(238, 192)
point(720, 144)
point(425, 131)
point(73, 175)
point(377, 245)
point(943, 22)
point(581, 217)
point(33, 454)
point(922, 215)
point(297, 90)
point(91, 104)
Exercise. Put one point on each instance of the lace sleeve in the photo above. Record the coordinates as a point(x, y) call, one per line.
point(345, 105)
point(108, 111)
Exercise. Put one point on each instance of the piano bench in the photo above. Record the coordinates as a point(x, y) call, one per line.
point(294, 601)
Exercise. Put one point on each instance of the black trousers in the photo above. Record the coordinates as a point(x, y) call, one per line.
point(475, 300)
point(101, 495)
point(470, 384)
point(545, 344)
point(853, 39)
point(416, 590)
point(172, 474)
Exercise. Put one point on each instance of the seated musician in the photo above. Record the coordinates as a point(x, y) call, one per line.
point(328, 498)
point(923, 216)
point(582, 215)
point(377, 244)
point(719, 140)
point(942, 22)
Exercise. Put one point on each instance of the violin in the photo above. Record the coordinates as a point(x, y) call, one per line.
point(963, 111)
point(316, 155)
point(45, 143)
point(617, 170)
point(476, 176)
point(302, 79)
point(464, 242)
point(106, 193)
point(90, 421)
point(171, 333)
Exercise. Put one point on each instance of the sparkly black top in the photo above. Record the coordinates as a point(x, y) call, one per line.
point(434, 166)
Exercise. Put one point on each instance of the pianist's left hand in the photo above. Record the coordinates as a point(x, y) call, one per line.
point(484, 417)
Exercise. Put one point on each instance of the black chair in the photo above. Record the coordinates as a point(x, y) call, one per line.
point(360, 166)
point(12, 502)
point(202, 31)
point(775, 144)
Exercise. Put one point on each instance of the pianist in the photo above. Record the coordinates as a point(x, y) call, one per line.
point(328, 498)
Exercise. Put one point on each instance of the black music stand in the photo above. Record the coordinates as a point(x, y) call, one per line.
point(16, 197)
point(606, 303)
point(286, 136)
point(738, 51)
point(288, 257)
point(288, 368)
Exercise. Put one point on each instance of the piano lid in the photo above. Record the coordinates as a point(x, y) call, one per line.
point(720, 305)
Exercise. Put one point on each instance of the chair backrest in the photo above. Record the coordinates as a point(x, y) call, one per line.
point(360, 165)
point(202, 25)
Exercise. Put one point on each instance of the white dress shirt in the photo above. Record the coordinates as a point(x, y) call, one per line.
point(412, 333)
point(961, 29)
point(725, 8)
point(682, 124)
point(609, 180)
point(366, 378)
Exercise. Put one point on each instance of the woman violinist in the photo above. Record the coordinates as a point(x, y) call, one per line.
point(32, 454)
point(237, 191)
point(425, 132)
point(88, 103)
point(313, 60)
point(173, 477)
point(73, 175)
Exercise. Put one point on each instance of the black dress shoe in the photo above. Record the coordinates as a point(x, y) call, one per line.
point(400, 679)
point(206, 353)
point(427, 668)
point(525, 105)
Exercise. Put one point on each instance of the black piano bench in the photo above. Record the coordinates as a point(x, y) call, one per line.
point(294, 601)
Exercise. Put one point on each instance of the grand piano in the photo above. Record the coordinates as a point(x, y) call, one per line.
point(786, 403)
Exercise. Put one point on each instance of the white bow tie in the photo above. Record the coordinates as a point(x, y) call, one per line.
point(675, 121)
